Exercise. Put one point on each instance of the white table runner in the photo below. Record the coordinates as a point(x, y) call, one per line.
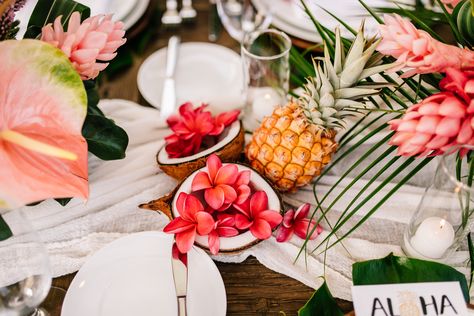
point(75, 232)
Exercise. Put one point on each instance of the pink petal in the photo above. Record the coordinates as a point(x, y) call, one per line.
point(261, 229)
point(178, 225)
point(427, 124)
point(243, 208)
point(437, 142)
point(288, 218)
point(452, 107)
point(243, 178)
point(465, 133)
point(192, 206)
point(201, 181)
point(214, 197)
point(214, 243)
point(227, 118)
point(258, 202)
point(229, 193)
point(213, 165)
point(272, 217)
point(303, 227)
point(226, 220)
point(242, 222)
point(205, 223)
point(227, 174)
point(302, 211)
point(448, 127)
point(284, 234)
point(225, 231)
point(185, 240)
point(243, 193)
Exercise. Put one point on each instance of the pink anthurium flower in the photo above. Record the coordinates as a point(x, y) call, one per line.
point(224, 227)
point(217, 183)
point(42, 152)
point(297, 223)
point(255, 215)
point(193, 219)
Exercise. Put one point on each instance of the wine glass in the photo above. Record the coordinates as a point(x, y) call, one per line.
point(26, 276)
point(240, 17)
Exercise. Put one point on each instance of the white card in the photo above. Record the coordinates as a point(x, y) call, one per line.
point(409, 299)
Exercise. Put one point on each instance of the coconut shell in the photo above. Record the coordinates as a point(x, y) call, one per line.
point(229, 153)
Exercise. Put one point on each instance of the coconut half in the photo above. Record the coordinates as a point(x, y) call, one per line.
point(229, 147)
point(228, 245)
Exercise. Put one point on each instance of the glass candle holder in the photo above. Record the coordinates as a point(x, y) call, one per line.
point(444, 215)
point(265, 58)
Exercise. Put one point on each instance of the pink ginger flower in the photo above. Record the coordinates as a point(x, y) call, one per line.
point(223, 227)
point(88, 44)
point(255, 215)
point(193, 219)
point(450, 4)
point(189, 129)
point(417, 50)
point(297, 223)
point(440, 122)
point(217, 183)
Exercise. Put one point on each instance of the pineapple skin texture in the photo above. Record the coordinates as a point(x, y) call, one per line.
point(288, 150)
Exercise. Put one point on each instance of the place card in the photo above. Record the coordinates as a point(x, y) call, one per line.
point(409, 299)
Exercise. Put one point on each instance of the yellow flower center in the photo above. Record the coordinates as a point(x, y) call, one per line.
point(37, 146)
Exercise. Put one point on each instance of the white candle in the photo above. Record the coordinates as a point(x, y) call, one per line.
point(264, 101)
point(433, 237)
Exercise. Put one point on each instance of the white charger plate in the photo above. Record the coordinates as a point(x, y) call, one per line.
point(205, 72)
point(133, 276)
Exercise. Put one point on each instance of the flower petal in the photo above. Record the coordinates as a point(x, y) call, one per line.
point(185, 240)
point(242, 222)
point(225, 231)
point(305, 226)
point(214, 197)
point(229, 193)
point(178, 225)
point(243, 178)
point(284, 234)
point(272, 217)
point(201, 181)
point(214, 242)
point(243, 193)
point(261, 229)
point(213, 165)
point(258, 202)
point(302, 211)
point(192, 206)
point(227, 175)
point(205, 223)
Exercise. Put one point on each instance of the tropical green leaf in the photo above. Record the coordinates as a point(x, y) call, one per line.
point(5, 231)
point(392, 269)
point(105, 139)
point(471, 258)
point(321, 303)
point(464, 19)
point(46, 11)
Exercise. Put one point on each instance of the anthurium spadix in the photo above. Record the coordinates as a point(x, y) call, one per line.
point(43, 105)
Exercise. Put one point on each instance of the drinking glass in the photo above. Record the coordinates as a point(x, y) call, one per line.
point(444, 216)
point(265, 59)
point(24, 283)
point(240, 17)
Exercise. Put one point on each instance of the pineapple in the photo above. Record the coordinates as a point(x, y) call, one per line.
point(293, 145)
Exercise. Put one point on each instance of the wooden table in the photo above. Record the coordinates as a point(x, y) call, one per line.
point(251, 288)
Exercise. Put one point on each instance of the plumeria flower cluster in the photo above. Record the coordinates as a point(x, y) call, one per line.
point(417, 51)
point(194, 128)
point(224, 203)
point(88, 45)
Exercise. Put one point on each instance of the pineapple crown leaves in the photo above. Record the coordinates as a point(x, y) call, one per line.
point(340, 83)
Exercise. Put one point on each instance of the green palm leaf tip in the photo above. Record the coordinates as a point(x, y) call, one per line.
point(339, 85)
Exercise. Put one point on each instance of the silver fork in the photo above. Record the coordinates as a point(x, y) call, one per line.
point(187, 11)
point(171, 15)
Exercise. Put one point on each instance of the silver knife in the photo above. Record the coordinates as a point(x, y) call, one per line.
point(168, 95)
point(180, 276)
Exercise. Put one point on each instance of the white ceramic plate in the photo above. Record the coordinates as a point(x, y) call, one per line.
point(133, 276)
point(205, 72)
point(119, 8)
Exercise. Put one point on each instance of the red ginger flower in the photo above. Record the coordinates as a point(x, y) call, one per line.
point(439, 122)
point(95, 39)
point(223, 227)
point(218, 183)
point(297, 223)
point(255, 215)
point(417, 50)
point(193, 219)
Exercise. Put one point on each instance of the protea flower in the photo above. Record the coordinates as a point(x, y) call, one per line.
point(417, 50)
point(297, 223)
point(193, 219)
point(88, 44)
point(255, 216)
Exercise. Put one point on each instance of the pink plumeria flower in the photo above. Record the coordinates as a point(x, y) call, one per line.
point(217, 183)
point(224, 227)
point(242, 187)
point(193, 219)
point(297, 223)
point(255, 215)
point(223, 120)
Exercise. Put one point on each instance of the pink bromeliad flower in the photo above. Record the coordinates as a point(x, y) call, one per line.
point(89, 45)
point(193, 219)
point(218, 183)
point(223, 227)
point(255, 215)
point(297, 223)
point(417, 50)
point(189, 128)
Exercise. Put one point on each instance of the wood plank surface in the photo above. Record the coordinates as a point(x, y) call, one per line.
point(251, 288)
